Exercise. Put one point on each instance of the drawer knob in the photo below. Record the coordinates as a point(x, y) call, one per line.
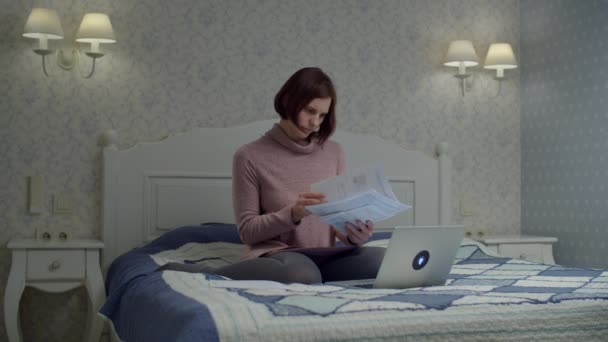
point(523, 256)
point(54, 265)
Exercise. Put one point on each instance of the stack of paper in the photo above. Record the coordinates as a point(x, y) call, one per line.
point(363, 194)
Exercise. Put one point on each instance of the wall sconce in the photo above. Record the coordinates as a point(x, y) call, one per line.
point(500, 57)
point(43, 24)
point(461, 54)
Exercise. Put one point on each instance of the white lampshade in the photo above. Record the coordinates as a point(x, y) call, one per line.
point(500, 57)
point(43, 23)
point(95, 28)
point(461, 53)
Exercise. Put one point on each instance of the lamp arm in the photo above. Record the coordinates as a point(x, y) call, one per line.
point(462, 85)
point(92, 68)
point(499, 87)
point(44, 65)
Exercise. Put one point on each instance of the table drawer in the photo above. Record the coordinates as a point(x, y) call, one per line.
point(55, 264)
point(531, 251)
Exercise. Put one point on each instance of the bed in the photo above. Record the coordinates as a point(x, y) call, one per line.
point(149, 219)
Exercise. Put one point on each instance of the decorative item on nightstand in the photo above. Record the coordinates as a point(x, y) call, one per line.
point(54, 266)
point(525, 247)
point(44, 235)
point(54, 234)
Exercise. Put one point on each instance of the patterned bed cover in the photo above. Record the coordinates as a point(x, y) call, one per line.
point(485, 298)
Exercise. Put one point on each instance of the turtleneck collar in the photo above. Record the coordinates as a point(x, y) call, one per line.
point(278, 135)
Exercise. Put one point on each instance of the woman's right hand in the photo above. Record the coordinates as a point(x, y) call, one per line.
point(298, 210)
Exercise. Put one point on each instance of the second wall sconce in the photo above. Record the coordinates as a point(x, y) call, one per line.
point(43, 24)
point(461, 54)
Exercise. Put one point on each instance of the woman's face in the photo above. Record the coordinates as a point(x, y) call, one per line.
point(310, 118)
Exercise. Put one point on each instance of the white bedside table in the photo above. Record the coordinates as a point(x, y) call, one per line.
point(526, 247)
point(54, 267)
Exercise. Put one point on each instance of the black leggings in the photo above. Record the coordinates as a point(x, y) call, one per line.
point(296, 267)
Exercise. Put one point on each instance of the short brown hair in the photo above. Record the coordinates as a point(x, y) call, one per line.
point(300, 89)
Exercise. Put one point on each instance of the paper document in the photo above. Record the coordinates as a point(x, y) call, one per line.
point(364, 194)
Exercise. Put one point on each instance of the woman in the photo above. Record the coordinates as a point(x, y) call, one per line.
point(271, 189)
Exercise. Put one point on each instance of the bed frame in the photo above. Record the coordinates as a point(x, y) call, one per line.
point(185, 179)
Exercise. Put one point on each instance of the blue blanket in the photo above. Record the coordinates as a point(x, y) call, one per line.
point(526, 298)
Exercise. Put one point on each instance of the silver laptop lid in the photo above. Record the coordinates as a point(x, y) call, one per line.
point(419, 256)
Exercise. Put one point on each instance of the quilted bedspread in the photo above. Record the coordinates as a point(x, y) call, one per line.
point(485, 298)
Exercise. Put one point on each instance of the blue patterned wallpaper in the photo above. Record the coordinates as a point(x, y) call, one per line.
point(565, 127)
point(189, 63)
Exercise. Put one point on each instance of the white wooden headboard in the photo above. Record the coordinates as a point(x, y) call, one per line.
point(186, 180)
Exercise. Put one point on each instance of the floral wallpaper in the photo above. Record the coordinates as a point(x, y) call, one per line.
point(564, 126)
point(183, 64)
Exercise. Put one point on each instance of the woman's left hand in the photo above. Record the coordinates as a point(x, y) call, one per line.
point(357, 233)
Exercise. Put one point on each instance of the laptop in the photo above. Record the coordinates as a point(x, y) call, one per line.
point(416, 256)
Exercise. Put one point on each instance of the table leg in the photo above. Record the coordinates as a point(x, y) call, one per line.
point(12, 296)
point(96, 294)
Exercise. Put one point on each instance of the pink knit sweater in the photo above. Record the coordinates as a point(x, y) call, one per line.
point(268, 174)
